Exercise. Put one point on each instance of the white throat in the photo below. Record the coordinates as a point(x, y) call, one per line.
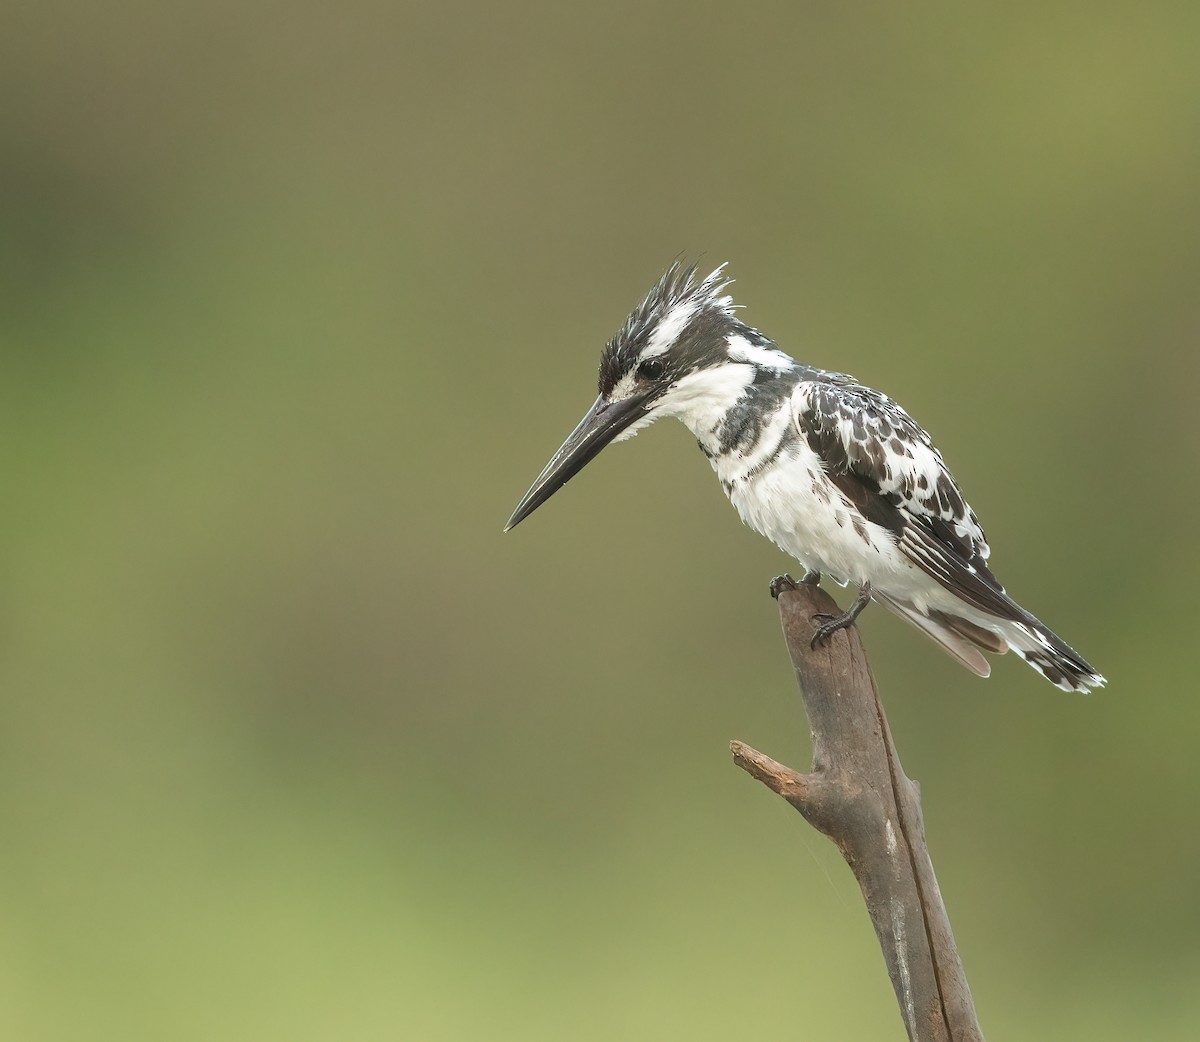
point(701, 399)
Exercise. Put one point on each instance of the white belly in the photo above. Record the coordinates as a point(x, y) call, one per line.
point(795, 505)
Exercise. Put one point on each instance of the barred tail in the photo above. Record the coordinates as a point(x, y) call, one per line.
point(1051, 656)
point(964, 638)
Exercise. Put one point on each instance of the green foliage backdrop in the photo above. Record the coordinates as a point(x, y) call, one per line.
point(295, 299)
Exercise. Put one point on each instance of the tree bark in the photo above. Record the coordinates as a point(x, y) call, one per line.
point(857, 794)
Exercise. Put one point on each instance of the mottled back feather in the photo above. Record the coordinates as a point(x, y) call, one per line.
point(888, 467)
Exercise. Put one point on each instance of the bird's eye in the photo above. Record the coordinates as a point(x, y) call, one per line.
point(651, 369)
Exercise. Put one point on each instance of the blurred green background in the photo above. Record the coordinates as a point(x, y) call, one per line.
point(296, 299)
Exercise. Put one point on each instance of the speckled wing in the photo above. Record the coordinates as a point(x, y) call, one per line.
point(888, 468)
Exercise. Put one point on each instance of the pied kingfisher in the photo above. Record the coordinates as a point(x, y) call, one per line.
point(835, 473)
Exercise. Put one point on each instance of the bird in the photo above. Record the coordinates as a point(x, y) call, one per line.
point(835, 473)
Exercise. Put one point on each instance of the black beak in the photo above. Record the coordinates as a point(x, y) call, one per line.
point(603, 422)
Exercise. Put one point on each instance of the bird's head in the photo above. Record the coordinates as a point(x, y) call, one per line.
point(680, 353)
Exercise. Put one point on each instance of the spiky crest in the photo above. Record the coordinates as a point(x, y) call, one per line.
point(677, 302)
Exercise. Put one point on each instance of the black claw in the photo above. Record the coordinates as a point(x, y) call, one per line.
point(781, 584)
point(827, 629)
point(840, 622)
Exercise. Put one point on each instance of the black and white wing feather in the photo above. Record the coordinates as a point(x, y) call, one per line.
point(887, 467)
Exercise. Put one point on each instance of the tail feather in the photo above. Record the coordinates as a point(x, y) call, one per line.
point(984, 638)
point(962, 638)
point(957, 645)
point(1051, 656)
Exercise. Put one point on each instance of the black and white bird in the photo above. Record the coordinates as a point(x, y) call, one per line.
point(835, 473)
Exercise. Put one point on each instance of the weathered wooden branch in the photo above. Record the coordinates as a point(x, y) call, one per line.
point(857, 794)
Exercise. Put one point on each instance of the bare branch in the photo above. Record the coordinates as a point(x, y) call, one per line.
point(858, 795)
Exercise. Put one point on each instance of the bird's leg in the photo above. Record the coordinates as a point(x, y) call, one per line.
point(834, 623)
point(811, 578)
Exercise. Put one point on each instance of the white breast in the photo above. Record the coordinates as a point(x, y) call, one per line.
point(792, 502)
point(779, 486)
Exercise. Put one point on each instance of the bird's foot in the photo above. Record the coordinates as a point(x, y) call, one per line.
point(833, 623)
point(781, 584)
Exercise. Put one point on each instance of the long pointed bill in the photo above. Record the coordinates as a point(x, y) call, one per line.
point(603, 422)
